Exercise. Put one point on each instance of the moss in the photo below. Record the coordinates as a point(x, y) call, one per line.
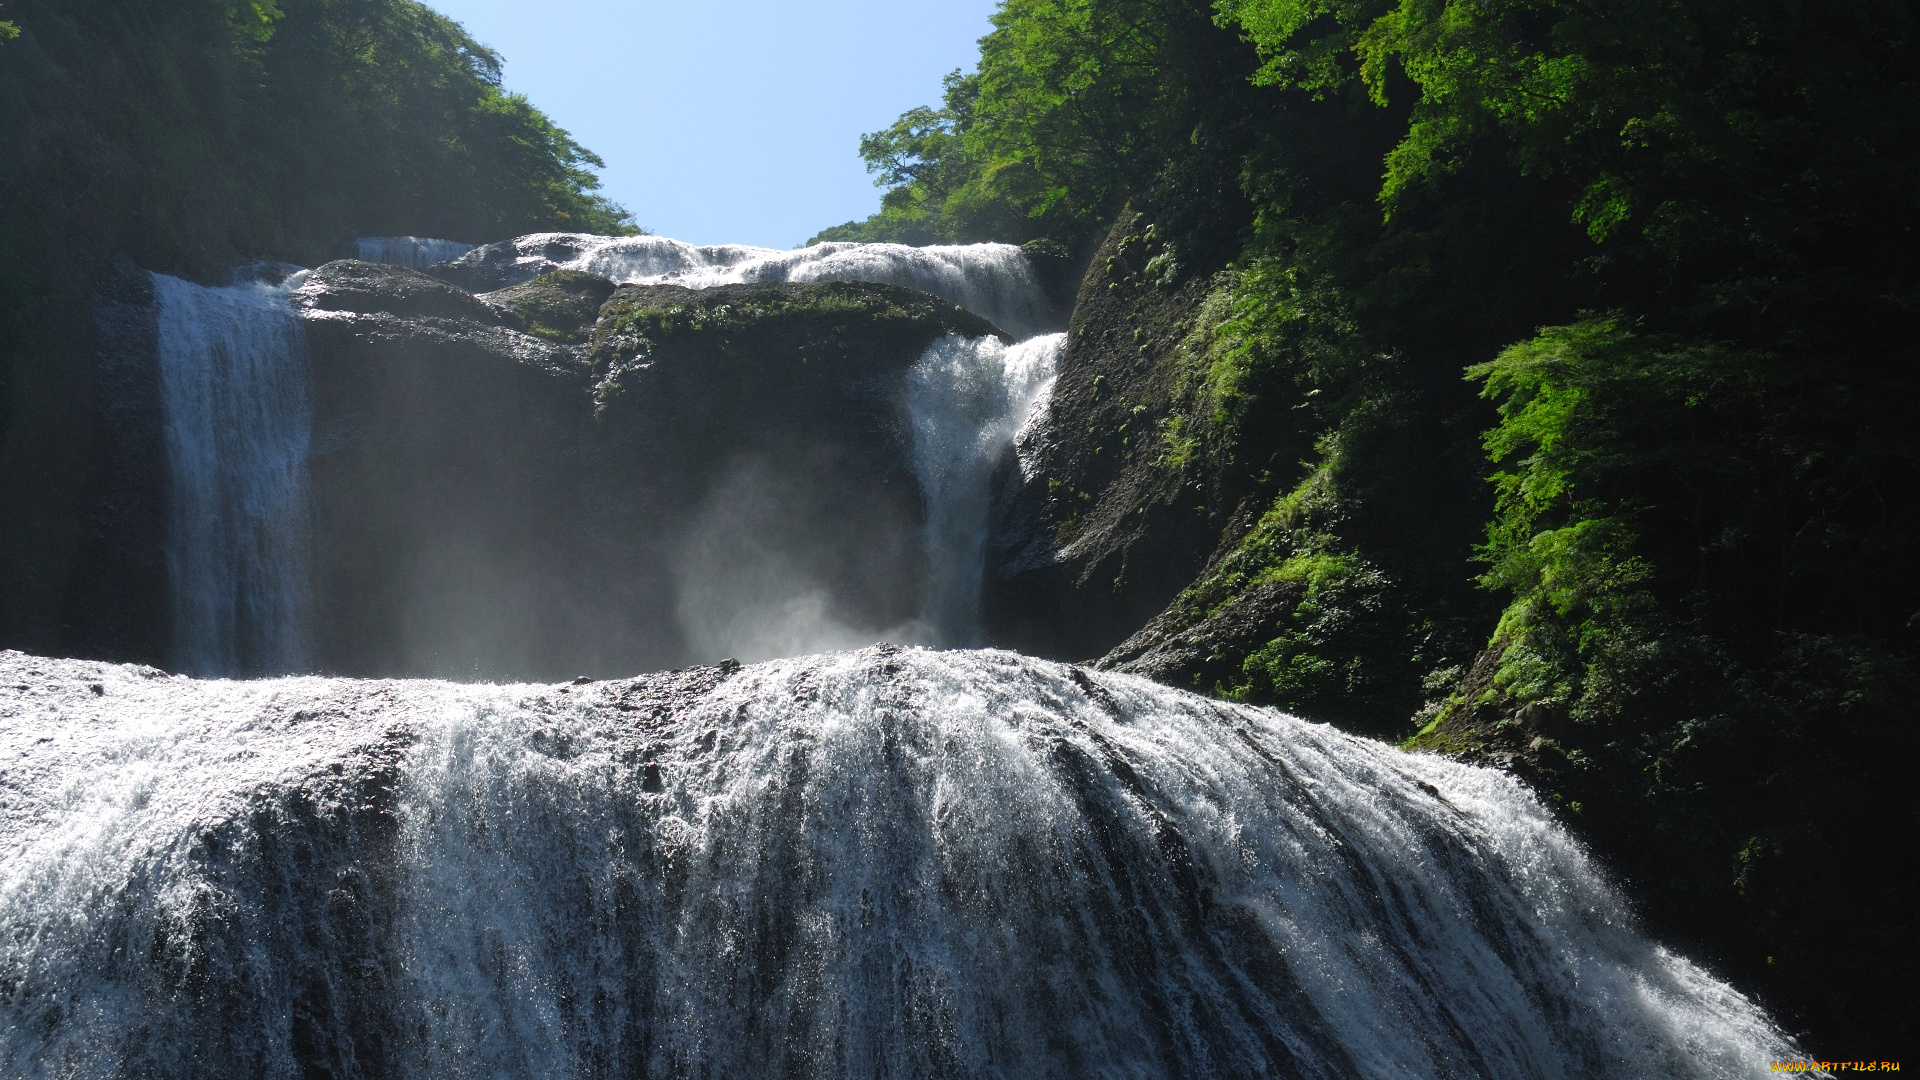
point(559, 306)
point(801, 340)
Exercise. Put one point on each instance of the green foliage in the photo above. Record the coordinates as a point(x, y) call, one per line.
point(1654, 119)
point(1696, 559)
point(1711, 555)
point(1336, 653)
point(1296, 56)
point(1072, 109)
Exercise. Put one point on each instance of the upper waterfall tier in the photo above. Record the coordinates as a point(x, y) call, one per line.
point(993, 281)
point(968, 400)
point(891, 863)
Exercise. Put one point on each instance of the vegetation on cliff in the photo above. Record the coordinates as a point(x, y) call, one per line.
point(1551, 364)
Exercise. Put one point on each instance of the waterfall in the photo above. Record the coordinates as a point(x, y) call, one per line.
point(408, 251)
point(889, 863)
point(233, 385)
point(968, 400)
point(238, 423)
point(994, 281)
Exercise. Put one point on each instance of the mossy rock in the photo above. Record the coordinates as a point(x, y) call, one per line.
point(783, 344)
point(560, 306)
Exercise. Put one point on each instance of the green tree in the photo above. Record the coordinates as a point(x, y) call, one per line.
point(1065, 117)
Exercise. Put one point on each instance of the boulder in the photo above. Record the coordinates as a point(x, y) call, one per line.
point(511, 262)
point(365, 288)
point(560, 305)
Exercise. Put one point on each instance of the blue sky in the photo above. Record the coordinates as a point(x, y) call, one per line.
point(730, 122)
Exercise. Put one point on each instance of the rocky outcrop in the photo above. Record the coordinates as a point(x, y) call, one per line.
point(362, 288)
point(1107, 527)
point(512, 262)
point(564, 477)
point(559, 306)
point(444, 458)
point(1203, 655)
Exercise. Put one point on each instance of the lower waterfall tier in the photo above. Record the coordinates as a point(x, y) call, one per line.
point(889, 863)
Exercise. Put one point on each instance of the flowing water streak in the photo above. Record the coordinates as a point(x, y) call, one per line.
point(412, 252)
point(892, 863)
point(233, 385)
point(968, 399)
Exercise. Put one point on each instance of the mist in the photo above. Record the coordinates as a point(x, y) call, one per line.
point(773, 565)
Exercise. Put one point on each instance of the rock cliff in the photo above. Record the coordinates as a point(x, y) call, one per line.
point(563, 477)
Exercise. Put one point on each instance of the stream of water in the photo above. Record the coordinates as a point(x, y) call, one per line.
point(233, 387)
point(412, 252)
point(889, 863)
point(968, 398)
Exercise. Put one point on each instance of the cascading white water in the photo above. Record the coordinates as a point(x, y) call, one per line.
point(412, 252)
point(892, 863)
point(233, 385)
point(993, 281)
point(968, 399)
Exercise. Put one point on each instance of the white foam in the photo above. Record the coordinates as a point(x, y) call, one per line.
point(968, 400)
point(887, 863)
point(994, 281)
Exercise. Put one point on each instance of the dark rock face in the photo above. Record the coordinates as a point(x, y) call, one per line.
point(117, 593)
point(560, 306)
point(1104, 533)
point(770, 418)
point(563, 477)
point(83, 475)
point(364, 288)
point(442, 462)
point(1059, 272)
